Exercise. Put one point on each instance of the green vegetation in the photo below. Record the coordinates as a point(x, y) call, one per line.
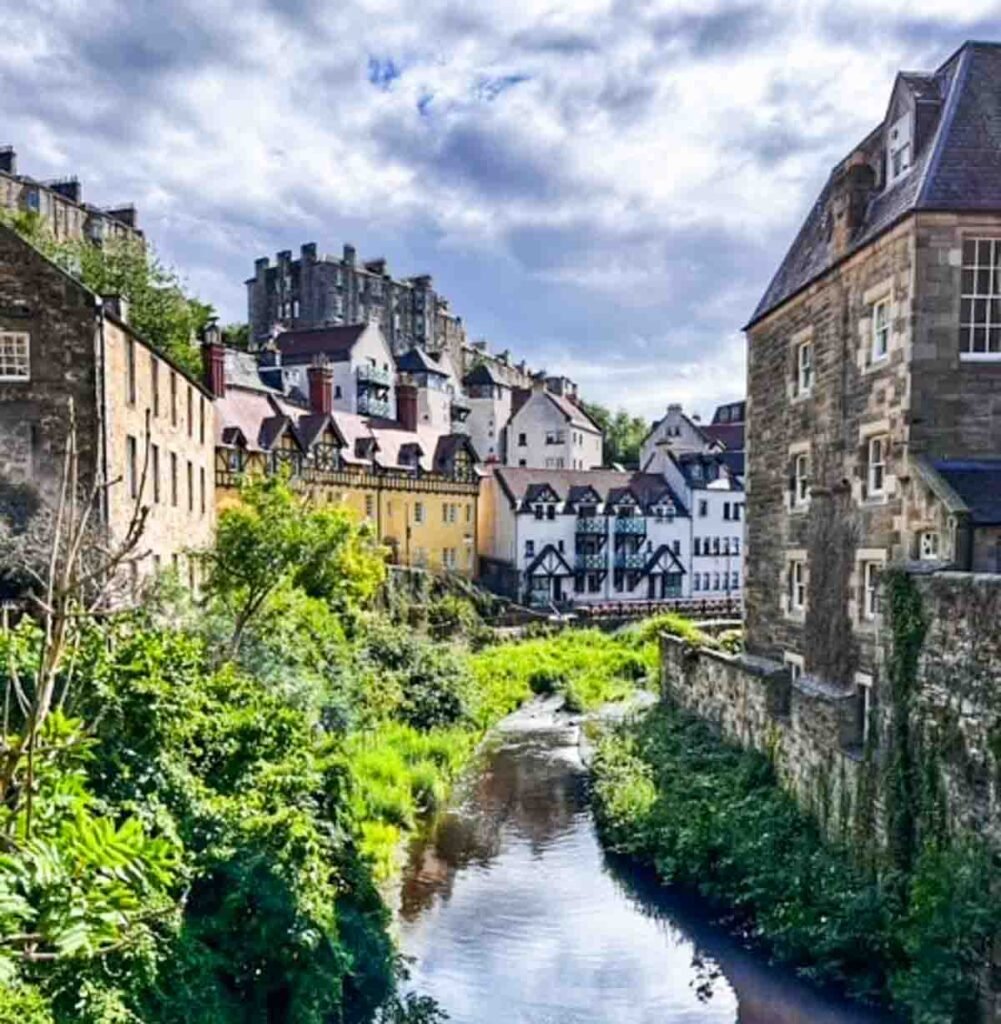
point(201, 795)
point(624, 434)
point(160, 310)
point(711, 816)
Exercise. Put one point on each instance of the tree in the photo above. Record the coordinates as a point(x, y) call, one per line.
point(624, 434)
point(159, 308)
point(273, 537)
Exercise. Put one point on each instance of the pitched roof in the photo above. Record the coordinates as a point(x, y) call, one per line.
point(333, 342)
point(731, 435)
point(416, 360)
point(482, 374)
point(956, 165)
point(649, 488)
point(573, 412)
point(978, 484)
point(702, 469)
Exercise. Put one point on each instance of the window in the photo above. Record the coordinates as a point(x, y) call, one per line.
point(863, 683)
point(735, 545)
point(804, 368)
point(154, 376)
point(173, 479)
point(191, 487)
point(173, 398)
point(698, 546)
point(418, 511)
point(676, 547)
point(469, 512)
point(737, 510)
point(715, 545)
point(876, 472)
point(529, 548)
point(201, 421)
point(130, 370)
point(797, 585)
point(155, 467)
point(794, 662)
point(898, 145)
point(726, 510)
point(980, 300)
point(800, 481)
point(928, 546)
point(880, 330)
point(369, 505)
point(550, 511)
point(735, 580)
point(14, 356)
point(201, 482)
point(870, 589)
point(191, 411)
point(337, 391)
point(695, 582)
point(703, 508)
point(522, 441)
point(715, 581)
point(559, 546)
point(448, 558)
point(522, 462)
point(131, 467)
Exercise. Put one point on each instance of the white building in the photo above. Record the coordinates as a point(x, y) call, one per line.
point(364, 372)
point(439, 399)
point(489, 411)
point(549, 430)
point(564, 536)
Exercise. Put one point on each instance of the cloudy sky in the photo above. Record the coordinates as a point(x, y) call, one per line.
point(601, 186)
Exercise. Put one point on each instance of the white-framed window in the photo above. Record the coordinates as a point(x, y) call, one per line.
point(418, 511)
point(870, 589)
point(703, 508)
point(880, 330)
point(898, 146)
point(863, 685)
point(928, 546)
point(797, 585)
point(800, 480)
point(804, 367)
point(529, 548)
point(980, 300)
point(876, 468)
point(131, 466)
point(795, 664)
point(15, 363)
point(369, 505)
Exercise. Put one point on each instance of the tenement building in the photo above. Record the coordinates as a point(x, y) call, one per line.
point(317, 290)
point(874, 370)
point(59, 203)
point(413, 478)
point(144, 429)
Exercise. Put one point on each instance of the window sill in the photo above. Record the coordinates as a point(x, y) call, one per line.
point(794, 615)
point(801, 396)
point(875, 365)
point(799, 509)
point(980, 357)
point(874, 501)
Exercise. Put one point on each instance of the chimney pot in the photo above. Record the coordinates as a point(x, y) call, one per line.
point(321, 388)
point(406, 406)
point(8, 159)
point(213, 360)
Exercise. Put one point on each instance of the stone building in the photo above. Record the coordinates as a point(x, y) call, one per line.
point(415, 481)
point(60, 205)
point(142, 423)
point(316, 290)
point(874, 377)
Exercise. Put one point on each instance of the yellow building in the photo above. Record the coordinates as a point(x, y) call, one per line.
point(419, 488)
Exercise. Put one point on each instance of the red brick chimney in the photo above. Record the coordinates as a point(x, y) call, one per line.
point(214, 361)
point(321, 388)
point(406, 406)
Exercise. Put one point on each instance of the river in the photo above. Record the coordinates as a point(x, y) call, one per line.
point(513, 914)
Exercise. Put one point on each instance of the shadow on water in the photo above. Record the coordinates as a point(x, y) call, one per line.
point(513, 913)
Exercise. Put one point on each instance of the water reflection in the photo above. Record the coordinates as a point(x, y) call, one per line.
point(514, 914)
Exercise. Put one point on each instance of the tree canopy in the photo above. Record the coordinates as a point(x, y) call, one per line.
point(623, 433)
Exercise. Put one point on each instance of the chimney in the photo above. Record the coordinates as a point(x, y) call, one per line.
point(850, 190)
point(377, 266)
point(321, 387)
point(8, 160)
point(539, 385)
point(124, 215)
point(674, 407)
point(213, 360)
point(69, 188)
point(406, 406)
point(349, 255)
point(116, 306)
point(307, 252)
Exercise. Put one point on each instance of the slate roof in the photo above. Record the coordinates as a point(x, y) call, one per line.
point(701, 469)
point(482, 374)
point(333, 342)
point(956, 165)
point(978, 483)
point(574, 413)
point(416, 360)
point(731, 435)
point(649, 488)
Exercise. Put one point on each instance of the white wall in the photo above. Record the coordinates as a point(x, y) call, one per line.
point(579, 449)
point(714, 523)
point(486, 422)
point(672, 433)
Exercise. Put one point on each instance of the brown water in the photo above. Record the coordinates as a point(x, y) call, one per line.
point(513, 914)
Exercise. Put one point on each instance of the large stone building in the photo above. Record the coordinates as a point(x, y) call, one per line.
point(874, 373)
point(316, 290)
point(60, 205)
point(144, 427)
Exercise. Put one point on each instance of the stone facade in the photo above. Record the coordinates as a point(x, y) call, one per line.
point(319, 290)
point(60, 205)
point(128, 401)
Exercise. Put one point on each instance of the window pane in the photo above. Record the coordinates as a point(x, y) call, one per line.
point(979, 339)
point(984, 281)
point(969, 252)
point(967, 282)
point(966, 311)
point(984, 252)
point(994, 339)
point(980, 311)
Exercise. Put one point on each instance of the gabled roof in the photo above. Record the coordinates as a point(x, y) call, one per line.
point(449, 445)
point(574, 413)
point(521, 484)
point(312, 426)
point(551, 555)
point(482, 374)
point(730, 435)
point(700, 469)
point(416, 360)
point(666, 556)
point(956, 166)
point(335, 343)
point(275, 427)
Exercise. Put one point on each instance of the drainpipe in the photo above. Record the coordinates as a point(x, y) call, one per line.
point(101, 469)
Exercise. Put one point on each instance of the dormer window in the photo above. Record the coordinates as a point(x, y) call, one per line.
point(899, 149)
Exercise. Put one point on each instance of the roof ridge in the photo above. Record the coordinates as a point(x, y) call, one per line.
point(956, 86)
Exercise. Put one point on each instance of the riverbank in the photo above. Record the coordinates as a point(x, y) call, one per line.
point(706, 815)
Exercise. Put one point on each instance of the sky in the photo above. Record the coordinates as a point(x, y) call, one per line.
point(603, 187)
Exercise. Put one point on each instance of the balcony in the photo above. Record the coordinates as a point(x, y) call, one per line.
point(583, 563)
point(630, 524)
point(593, 525)
point(631, 560)
point(368, 374)
point(370, 406)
